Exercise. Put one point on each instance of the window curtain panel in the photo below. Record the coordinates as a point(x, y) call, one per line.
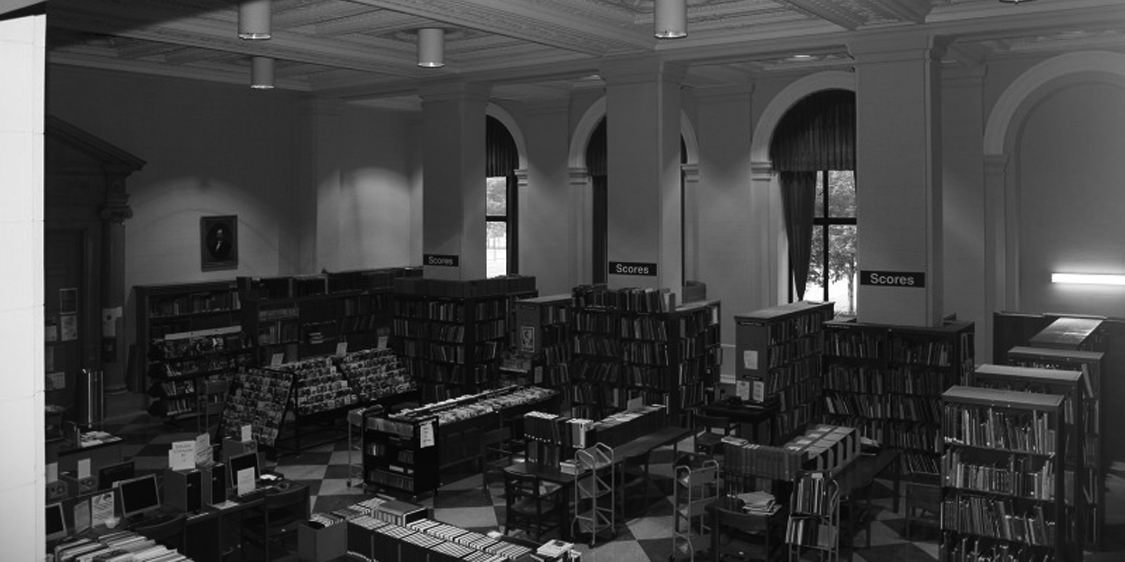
point(798, 200)
point(817, 133)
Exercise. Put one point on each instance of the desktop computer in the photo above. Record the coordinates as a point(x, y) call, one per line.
point(183, 489)
point(214, 483)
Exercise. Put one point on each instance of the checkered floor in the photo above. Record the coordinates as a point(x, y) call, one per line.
point(466, 502)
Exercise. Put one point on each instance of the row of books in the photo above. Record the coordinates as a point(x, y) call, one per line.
point(897, 380)
point(780, 377)
point(565, 431)
point(796, 326)
point(451, 353)
point(493, 286)
point(883, 406)
point(1001, 429)
point(1017, 477)
point(971, 549)
point(596, 344)
point(930, 352)
point(854, 344)
point(258, 397)
point(996, 518)
point(449, 332)
point(781, 353)
point(195, 303)
point(170, 348)
point(640, 300)
point(740, 457)
point(207, 365)
point(900, 434)
point(596, 320)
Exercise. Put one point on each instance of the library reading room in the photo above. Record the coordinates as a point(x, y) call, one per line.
point(562, 280)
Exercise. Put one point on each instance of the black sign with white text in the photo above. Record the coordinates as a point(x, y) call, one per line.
point(440, 260)
point(632, 268)
point(913, 279)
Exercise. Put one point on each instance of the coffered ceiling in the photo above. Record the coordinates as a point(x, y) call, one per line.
point(364, 50)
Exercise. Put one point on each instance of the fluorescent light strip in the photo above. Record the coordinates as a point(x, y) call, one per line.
point(1088, 278)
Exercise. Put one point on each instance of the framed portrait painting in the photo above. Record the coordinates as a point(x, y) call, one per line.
point(218, 240)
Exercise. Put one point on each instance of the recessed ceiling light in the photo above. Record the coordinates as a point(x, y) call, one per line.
point(801, 57)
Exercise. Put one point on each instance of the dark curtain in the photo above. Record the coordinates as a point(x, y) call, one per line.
point(501, 155)
point(817, 133)
point(798, 199)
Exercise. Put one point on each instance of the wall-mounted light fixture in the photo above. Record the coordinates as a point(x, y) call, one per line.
point(261, 73)
point(254, 19)
point(1088, 278)
point(431, 47)
point(670, 19)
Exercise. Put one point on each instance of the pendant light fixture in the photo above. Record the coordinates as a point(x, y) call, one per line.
point(254, 19)
point(261, 73)
point(670, 19)
point(431, 47)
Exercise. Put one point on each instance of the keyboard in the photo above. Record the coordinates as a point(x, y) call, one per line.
point(257, 494)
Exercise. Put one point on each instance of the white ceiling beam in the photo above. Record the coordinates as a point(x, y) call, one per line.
point(835, 12)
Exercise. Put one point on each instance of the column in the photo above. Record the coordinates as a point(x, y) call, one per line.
point(23, 42)
point(898, 178)
point(1000, 286)
point(545, 203)
point(453, 180)
point(113, 214)
point(643, 127)
point(582, 224)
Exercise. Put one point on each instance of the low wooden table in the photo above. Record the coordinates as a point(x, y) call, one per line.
point(726, 514)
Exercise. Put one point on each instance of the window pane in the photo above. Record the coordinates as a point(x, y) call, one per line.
point(818, 207)
point(843, 269)
point(814, 288)
point(496, 249)
point(497, 197)
point(841, 193)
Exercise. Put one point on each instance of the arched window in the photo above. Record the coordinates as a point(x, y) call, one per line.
point(814, 150)
point(502, 158)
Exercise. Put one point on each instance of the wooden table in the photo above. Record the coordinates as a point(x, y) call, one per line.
point(754, 415)
point(855, 482)
point(770, 526)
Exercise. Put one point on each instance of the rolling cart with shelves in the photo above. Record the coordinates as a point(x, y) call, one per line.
point(695, 488)
point(594, 492)
point(814, 518)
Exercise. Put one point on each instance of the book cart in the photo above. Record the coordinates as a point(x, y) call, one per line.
point(696, 486)
point(595, 478)
point(1002, 479)
point(814, 517)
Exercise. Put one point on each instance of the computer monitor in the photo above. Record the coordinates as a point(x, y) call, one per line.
point(56, 522)
point(111, 474)
point(139, 496)
point(235, 463)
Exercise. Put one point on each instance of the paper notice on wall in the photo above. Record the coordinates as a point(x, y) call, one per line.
point(109, 321)
point(750, 359)
point(759, 392)
point(68, 300)
point(51, 331)
point(56, 380)
point(247, 432)
point(182, 455)
point(68, 327)
point(341, 348)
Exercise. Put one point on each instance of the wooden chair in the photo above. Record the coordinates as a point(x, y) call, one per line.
point(271, 527)
point(531, 504)
point(709, 432)
point(923, 497)
point(495, 455)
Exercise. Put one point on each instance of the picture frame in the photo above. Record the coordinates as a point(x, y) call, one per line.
point(218, 242)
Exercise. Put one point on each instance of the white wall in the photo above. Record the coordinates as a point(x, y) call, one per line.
point(21, 302)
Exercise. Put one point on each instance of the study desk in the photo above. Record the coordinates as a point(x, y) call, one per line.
point(754, 415)
point(638, 447)
point(855, 483)
point(215, 534)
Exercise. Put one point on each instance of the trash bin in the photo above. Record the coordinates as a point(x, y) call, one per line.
point(91, 398)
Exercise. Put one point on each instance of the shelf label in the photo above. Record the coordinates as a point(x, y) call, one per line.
point(441, 260)
point(527, 338)
point(632, 268)
point(759, 392)
point(742, 389)
point(912, 279)
point(182, 455)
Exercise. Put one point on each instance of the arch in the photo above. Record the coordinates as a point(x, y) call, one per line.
point(786, 98)
point(502, 115)
point(999, 128)
point(594, 114)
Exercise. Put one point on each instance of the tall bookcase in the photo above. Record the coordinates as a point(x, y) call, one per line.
point(542, 338)
point(297, 317)
point(189, 334)
point(632, 344)
point(887, 380)
point(1001, 477)
point(1091, 365)
point(778, 360)
point(451, 333)
point(1068, 384)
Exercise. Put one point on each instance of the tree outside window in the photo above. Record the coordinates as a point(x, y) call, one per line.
point(834, 273)
point(496, 245)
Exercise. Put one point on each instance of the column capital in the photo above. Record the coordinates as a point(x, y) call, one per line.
point(116, 207)
point(578, 177)
point(725, 92)
point(963, 76)
point(761, 171)
point(641, 69)
point(449, 90)
point(691, 172)
point(995, 164)
point(547, 106)
point(521, 177)
point(896, 46)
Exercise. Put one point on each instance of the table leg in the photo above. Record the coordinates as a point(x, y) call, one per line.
point(898, 478)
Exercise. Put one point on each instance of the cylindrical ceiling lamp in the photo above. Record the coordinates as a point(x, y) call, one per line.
point(261, 73)
point(254, 19)
point(431, 47)
point(670, 19)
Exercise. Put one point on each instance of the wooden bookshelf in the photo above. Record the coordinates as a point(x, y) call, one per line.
point(630, 344)
point(191, 334)
point(1002, 480)
point(450, 334)
point(1091, 364)
point(778, 361)
point(1069, 385)
point(887, 380)
point(542, 339)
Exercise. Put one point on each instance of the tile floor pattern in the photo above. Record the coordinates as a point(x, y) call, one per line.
point(646, 536)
